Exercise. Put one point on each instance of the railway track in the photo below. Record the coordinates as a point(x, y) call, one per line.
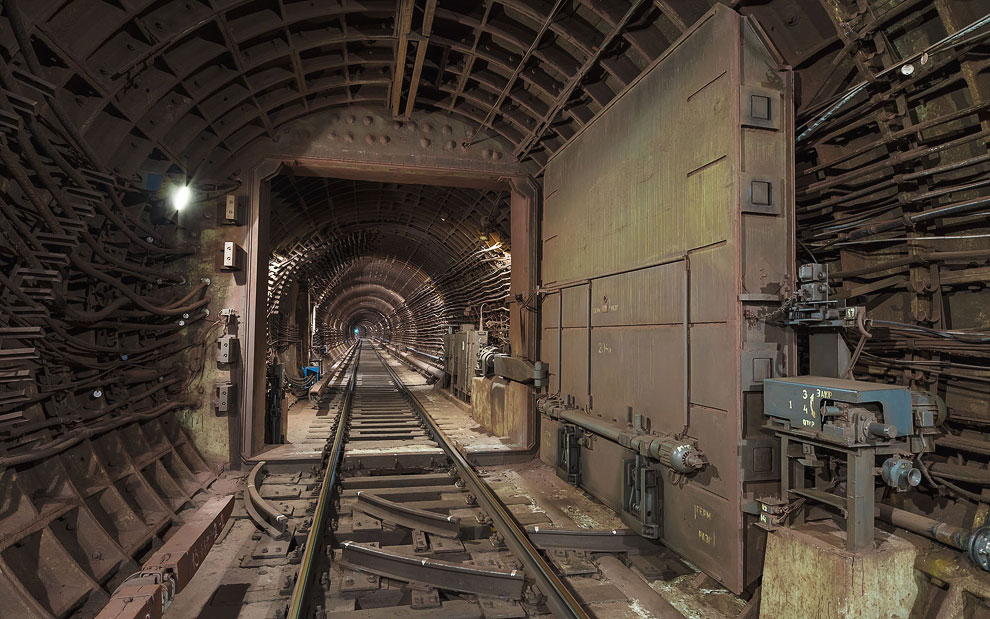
point(417, 535)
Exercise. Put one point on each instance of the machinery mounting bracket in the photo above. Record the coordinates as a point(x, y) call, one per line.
point(569, 454)
point(642, 492)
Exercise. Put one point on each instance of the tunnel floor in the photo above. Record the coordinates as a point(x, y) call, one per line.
point(244, 575)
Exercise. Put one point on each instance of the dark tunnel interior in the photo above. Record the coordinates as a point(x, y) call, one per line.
point(514, 308)
point(399, 262)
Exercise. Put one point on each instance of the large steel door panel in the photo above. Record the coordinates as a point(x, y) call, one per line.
point(684, 183)
point(634, 366)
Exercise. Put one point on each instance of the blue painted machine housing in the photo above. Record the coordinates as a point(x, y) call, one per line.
point(799, 400)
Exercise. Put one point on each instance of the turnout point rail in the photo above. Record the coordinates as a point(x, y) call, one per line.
point(378, 408)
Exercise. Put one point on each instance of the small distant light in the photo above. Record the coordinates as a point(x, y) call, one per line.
point(356, 331)
point(181, 197)
point(97, 393)
point(483, 236)
point(907, 69)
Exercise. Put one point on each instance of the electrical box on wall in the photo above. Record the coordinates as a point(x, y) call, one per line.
point(225, 396)
point(231, 213)
point(231, 259)
point(227, 349)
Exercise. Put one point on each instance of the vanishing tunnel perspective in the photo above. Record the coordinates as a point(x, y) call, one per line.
point(497, 308)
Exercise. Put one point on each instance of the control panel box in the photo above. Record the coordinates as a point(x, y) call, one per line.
point(461, 350)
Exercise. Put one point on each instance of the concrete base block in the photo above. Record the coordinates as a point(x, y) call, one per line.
point(808, 573)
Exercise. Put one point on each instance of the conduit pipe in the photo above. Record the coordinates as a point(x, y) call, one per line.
point(678, 454)
point(421, 366)
point(975, 543)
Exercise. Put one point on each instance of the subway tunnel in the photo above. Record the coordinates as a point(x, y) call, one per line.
point(398, 261)
point(576, 308)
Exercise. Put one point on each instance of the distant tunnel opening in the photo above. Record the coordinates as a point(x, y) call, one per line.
point(399, 263)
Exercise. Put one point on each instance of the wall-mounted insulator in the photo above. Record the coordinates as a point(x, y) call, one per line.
point(225, 396)
point(231, 211)
point(227, 349)
point(231, 258)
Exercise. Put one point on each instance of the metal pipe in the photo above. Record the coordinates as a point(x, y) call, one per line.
point(927, 215)
point(675, 453)
point(943, 532)
point(975, 543)
point(956, 472)
point(416, 363)
point(590, 347)
point(560, 340)
point(687, 342)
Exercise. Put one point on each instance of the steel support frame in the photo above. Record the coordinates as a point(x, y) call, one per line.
point(525, 197)
point(857, 505)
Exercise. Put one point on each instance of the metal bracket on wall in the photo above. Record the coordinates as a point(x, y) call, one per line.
point(569, 454)
point(641, 497)
point(225, 396)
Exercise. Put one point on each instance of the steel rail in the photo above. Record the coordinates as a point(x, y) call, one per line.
point(592, 540)
point(409, 517)
point(260, 510)
point(560, 599)
point(507, 584)
point(298, 601)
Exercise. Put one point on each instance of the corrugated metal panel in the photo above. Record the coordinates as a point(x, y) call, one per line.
point(652, 198)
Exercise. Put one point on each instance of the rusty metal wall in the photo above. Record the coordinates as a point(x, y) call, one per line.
point(70, 524)
point(654, 254)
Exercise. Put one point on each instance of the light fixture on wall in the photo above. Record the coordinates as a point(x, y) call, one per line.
point(181, 197)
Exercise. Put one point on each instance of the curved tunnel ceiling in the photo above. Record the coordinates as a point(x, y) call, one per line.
point(188, 83)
